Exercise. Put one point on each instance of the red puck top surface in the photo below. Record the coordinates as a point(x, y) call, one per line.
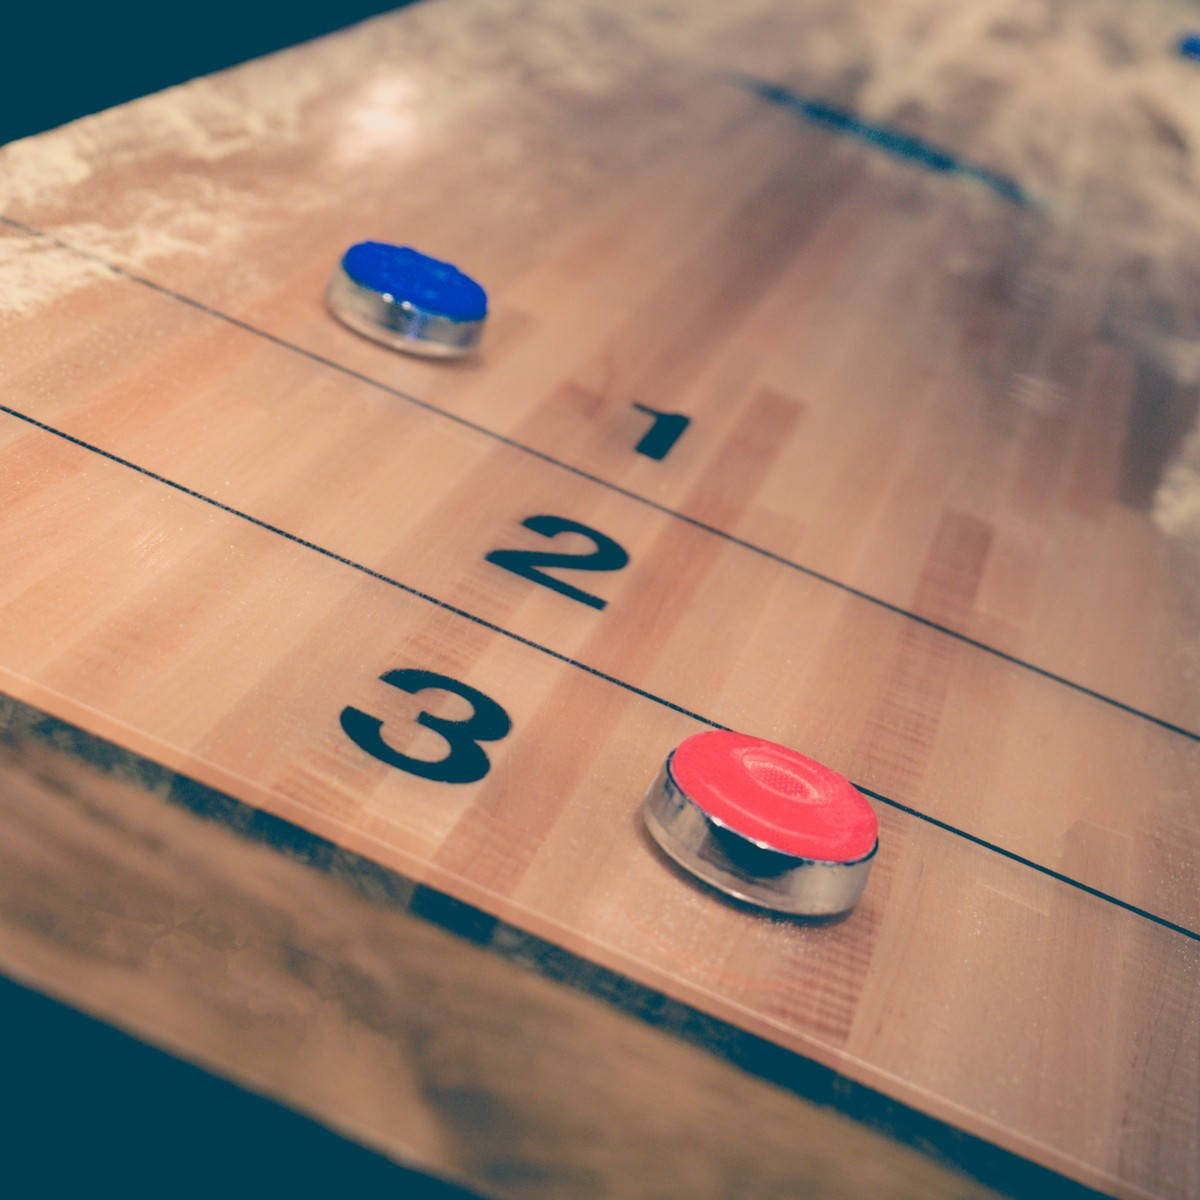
point(775, 796)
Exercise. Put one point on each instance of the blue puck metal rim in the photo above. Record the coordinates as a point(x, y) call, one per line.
point(407, 300)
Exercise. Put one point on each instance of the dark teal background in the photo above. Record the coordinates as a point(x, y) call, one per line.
point(89, 1113)
point(59, 62)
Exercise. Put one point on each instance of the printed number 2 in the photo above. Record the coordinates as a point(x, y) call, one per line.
point(608, 556)
point(466, 761)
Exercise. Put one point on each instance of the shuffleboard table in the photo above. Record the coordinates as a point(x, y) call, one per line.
point(869, 336)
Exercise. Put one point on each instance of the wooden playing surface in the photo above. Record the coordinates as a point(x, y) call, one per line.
point(934, 520)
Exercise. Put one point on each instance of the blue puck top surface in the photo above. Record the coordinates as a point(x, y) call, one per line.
point(426, 283)
point(1189, 45)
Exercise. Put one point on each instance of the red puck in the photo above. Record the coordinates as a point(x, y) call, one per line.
point(775, 796)
point(764, 823)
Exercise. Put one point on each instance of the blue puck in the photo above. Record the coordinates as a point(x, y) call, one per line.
point(426, 283)
point(407, 300)
point(1189, 45)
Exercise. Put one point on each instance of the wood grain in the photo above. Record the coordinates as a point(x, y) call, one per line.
point(902, 708)
point(929, 521)
point(243, 688)
point(396, 1033)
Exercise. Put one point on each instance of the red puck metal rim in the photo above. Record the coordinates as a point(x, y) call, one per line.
point(763, 823)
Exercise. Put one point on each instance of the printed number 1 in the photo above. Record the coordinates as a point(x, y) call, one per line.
point(667, 429)
point(465, 761)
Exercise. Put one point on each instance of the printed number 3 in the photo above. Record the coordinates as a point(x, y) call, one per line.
point(466, 762)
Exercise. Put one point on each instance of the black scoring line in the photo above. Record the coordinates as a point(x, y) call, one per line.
point(542, 456)
point(371, 573)
point(349, 562)
point(1041, 868)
